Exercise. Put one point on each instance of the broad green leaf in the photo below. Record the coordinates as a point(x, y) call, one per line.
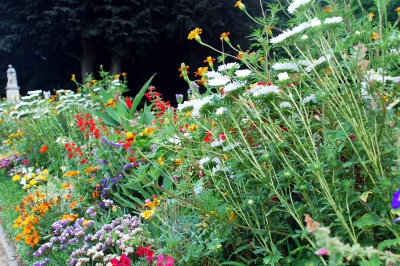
point(139, 96)
point(106, 118)
point(368, 220)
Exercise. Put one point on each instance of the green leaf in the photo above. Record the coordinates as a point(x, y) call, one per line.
point(368, 220)
point(147, 116)
point(374, 261)
point(106, 118)
point(139, 96)
point(388, 243)
point(167, 183)
point(232, 263)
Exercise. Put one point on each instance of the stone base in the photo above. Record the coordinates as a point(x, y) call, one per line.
point(12, 94)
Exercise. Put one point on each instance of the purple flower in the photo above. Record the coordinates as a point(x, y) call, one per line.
point(63, 246)
point(396, 199)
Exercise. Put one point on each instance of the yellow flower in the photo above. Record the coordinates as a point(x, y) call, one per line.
point(397, 9)
point(16, 177)
point(160, 160)
point(224, 36)
point(130, 136)
point(148, 214)
point(201, 71)
point(375, 35)
point(240, 5)
point(209, 60)
point(117, 76)
point(124, 74)
point(73, 77)
point(371, 16)
point(195, 34)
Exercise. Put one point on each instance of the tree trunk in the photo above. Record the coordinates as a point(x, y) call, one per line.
point(116, 64)
point(88, 58)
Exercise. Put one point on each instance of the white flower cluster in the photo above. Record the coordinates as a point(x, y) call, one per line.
point(264, 90)
point(310, 65)
point(290, 32)
point(197, 104)
point(296, 4)
point(234, 86)
point(285, 66)
point(309, 98)
point(227, 67)
point(377, 75)
point(242, 73)
point(333, 20)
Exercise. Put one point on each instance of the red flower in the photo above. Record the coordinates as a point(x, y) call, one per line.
point(146, 251)
point(207, 138)
point(128, 102)
point(43, 149)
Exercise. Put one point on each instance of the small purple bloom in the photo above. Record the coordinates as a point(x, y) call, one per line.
point(396, 199)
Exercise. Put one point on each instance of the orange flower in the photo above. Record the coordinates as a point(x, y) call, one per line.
point(201, 71)
point(180, 70)
point(70, 216)
point(328, 9)
point(111, 102)
point(32, 239)
point(397, 9)
point(43, 149)
point(209, 60)
point(66, 185)
point(375, 36)
point(28, 228)
point(18, 237)
point(195, 34)
point(73, 77)
point(240, 5)
point(224, 36)
point(72, 204)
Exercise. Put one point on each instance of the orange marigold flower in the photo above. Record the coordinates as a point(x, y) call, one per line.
point(73, 77)
point(180, 70)
point(195, 34)
point(375, 36)
point(18, 237)
point(397, 9)
point(328, 9)
point(111, 102)
point(224, 36)
point(240, 5)
point(72, 204)
point(209, 60)
point(32, 239)
point(201, 71)
point(43, 148)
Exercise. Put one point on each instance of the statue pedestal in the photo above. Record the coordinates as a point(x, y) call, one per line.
point(12, 93)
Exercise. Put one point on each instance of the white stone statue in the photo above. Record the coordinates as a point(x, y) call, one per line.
point(12, 88)
point(12, 77)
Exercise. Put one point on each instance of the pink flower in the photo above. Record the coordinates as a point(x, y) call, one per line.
point(321, 251)
point(169, 260)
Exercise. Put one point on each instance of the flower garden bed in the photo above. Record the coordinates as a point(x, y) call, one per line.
point(267, 145)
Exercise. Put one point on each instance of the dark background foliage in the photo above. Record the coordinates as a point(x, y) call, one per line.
point(48, 40)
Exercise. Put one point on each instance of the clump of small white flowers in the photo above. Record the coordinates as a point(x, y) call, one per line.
point(242, 73)
point(333, 20)
point(219, 81)
point(264, 90)
point(283, 76)
point(217, 143)
point(220, 110)
point(175, 140)
point(290, 32)
point(304, 37)
point(312, 64)
point(309, 98)
point(296, 4)
point(285, 66)
point(233, 86)
point(228, 66)
point(212, 74)
point(285, 105)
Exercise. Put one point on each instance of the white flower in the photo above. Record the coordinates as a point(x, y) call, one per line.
point(285, 105)
point(390, 106)
point(304, 37)
point(204, 160)
point(184, 105)
point(220, 110)
point(242, 73)
point(217, 143)
point(175, 140)
point(285, 66)
point(333, 20)
point(212, 74)
point(312, 64)
point(263, 90)
point(357, 33)
point(290, 32)
point(96, 89)
point(219, 81)
point(283, 76)
point(216, 160)
point(315, 22)
point(293, 6)
point(231, 146)
point(228, 66)
point(233, 86)
point(37, 92)
point(309, 98)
